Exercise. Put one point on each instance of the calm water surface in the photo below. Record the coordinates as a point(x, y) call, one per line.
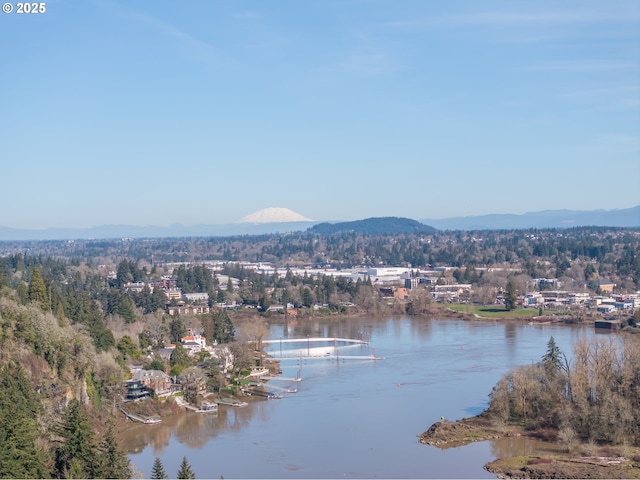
point(359, 418)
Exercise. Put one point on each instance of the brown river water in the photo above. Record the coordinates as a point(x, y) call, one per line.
point(354, 417)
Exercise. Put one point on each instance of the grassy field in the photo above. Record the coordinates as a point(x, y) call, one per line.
point(495, 311)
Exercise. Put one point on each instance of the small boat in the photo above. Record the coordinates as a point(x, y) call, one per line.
point(152, 420)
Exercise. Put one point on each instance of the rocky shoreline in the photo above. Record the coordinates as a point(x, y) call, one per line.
point(585, 461)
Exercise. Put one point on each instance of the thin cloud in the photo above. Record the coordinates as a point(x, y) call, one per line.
point(247, 15)
point(359, 64)
point(600, 92)
point(584, 66)
point(160, 26)
point(623, 97)
point(506, 19)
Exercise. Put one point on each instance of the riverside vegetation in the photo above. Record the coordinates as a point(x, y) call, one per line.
point(588, 403)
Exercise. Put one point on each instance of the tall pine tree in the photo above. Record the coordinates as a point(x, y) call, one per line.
point(510, 296)
point(112, 462)
point(19, 455)
point(185, 471)
point(75, 456)
point(157, 472)
point(38, 291)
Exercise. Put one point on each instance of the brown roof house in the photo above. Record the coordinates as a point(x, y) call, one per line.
point(606, 286)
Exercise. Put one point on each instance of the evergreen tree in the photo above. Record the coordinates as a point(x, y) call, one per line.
point(510, 296)
point(552, 359)
point(19, 455)
point(185, 471)
point(179, 359)
point(81, 308)
point(23, 293)
point(75, 456)
point(224, 331)
point(37, 291)
point(112, 462)
point(158, 300)
point(220, 296)
point(158, 472)
point(60, 315)
point(126, 309)
point(177, 329)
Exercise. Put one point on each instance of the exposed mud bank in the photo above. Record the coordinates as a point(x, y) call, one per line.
point(601, 462)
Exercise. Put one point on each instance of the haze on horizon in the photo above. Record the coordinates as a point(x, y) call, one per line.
point(157, 113)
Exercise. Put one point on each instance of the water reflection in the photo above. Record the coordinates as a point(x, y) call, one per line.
point(192, 429)
point(522, 446)
point(360, 418)
point(511, 338)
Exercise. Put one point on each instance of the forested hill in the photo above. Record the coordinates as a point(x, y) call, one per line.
point(374, 226)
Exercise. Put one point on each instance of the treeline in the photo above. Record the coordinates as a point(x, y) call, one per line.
point(612, 252)
point(594, 395)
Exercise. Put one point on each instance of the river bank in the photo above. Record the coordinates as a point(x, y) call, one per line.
point(583, 461)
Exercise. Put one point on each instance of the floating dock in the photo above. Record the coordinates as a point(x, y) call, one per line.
point(231, 402)
point(141, 418)
point(207, 407)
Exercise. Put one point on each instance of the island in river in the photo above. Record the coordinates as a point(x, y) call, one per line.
point(587, 403)
point(586, 461)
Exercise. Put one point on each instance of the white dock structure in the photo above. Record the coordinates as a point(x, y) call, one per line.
point(316, 340)
point(141, 418)
point(330, 351)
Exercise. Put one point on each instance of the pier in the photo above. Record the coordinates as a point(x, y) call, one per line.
point(141, 418)
point(327, 357)
point(330, 350)
point(309, 340)
point(231, 402)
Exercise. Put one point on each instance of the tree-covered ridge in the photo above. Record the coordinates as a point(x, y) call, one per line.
point(44, 361)
point(374, 226)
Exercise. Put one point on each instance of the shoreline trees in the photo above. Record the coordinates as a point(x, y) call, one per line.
point(593, 396)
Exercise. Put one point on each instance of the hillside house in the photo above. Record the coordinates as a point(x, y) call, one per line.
point(155, 381)
point(606, 287)
point(193, 342)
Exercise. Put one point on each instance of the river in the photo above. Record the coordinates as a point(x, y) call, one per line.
point(356, 418)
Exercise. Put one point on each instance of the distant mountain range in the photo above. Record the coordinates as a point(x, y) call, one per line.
point(629, 218)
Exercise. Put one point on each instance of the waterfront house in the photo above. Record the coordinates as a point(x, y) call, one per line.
point(136, 390)
point(155, 381)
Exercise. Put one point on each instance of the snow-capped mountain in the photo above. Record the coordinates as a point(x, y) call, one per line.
point(274, 215)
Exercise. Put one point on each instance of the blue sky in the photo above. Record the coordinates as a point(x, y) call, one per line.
point(156, 112)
